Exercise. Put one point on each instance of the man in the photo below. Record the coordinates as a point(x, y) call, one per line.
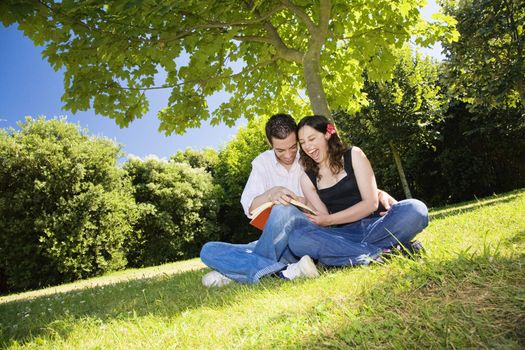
point(274, 177)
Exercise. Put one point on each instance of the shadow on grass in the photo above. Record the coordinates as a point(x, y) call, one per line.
point(465, 207)
point(517, 239)
point(166, 296)
point(471, 302)
point(468, 302)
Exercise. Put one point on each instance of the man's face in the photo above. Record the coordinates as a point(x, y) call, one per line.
point(285, 149)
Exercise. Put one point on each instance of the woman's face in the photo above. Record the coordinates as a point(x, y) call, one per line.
point(314, 143)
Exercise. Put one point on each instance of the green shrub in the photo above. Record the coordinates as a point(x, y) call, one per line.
point(231, 173)
point(66, 208)
point(180, 210)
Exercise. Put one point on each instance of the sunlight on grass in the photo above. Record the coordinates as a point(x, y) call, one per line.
point(467, 291)
point(112, 278)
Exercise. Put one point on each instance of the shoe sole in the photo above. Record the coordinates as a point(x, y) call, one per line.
point(308, 268)
point(214, 282)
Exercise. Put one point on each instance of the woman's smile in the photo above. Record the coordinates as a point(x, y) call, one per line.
point(314, 154)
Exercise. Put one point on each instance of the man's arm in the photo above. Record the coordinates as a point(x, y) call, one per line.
point(255, 193)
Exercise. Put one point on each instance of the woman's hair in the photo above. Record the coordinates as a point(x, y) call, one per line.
point(336, 148)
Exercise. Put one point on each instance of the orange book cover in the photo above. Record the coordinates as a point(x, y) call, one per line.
point(260, 214)
point(260, 220)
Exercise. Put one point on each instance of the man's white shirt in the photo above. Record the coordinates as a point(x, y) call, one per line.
point(266, 173)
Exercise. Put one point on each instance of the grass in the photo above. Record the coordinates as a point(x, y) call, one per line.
point(466, 292)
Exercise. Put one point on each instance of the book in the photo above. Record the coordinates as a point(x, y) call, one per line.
point(261, 213)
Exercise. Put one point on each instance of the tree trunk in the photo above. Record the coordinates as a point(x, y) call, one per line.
point(521, 90)
point(312, 60)
point(314, 85)
point(399, 166)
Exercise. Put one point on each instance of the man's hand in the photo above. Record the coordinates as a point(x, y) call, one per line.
point(281, 194)
point(385, 200)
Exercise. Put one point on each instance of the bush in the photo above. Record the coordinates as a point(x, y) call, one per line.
point(180, 210)
point(66, 208)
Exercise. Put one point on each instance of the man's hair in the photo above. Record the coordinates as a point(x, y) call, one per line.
point(280, 126)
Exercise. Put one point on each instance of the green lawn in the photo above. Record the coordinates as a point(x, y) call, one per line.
point(468, 291)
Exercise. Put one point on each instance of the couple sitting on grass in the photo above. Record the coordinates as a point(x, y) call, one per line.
point(339, 184)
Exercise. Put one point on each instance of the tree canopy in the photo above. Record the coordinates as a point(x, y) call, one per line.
point(487, 64)
point(401, 115)
point(265, 54)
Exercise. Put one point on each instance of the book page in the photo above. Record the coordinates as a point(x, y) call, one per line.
point(260, 208)
point(303, 207)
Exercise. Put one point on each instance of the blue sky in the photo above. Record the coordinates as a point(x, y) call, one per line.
point(29, 86)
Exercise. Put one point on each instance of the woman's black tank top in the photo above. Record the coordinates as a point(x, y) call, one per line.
point(344, 193)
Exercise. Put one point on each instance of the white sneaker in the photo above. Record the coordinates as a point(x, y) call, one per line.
point(303, 268)
point(215, 279)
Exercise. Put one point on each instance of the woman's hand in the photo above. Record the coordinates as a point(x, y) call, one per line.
point(385, 200)
point(320, 219)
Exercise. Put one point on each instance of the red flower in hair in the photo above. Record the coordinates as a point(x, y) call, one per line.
point(330, 128)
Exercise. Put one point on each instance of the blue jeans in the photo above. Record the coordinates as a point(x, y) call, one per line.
point(247, 263)
point(289, 234)
point(360, 242)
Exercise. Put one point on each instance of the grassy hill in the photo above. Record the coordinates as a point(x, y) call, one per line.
point(468, 291)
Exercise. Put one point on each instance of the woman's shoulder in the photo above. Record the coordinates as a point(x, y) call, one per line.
point(349, 153)
point(310, 174)
point(352, 154)
point(356, 151)
point(359, 158)
point(305, 177)
point(352, 151)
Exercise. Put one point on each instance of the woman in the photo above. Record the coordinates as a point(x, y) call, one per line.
point(340, 184)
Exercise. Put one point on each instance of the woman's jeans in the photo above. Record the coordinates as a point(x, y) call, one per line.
point(362, 241)
point(289, 235)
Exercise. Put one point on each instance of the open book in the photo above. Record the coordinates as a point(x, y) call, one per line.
point(261, 213)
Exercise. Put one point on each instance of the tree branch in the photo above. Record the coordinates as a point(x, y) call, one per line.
point(301, 14)
point(205, 24)
point(364, 32)
point(325, 11)
point(257, 39)
point(215, 24)
point(283, 51)
point(199, 81)
point(274, 39)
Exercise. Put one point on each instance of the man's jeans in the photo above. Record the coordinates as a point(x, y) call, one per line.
point(289, 235)
point(362, 241)
point(247, 263)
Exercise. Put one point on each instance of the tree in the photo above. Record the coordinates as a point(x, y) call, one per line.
point(206, 159)
point(264, 53)
point(66, 209)
point(402, 114)
point(486, 66)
